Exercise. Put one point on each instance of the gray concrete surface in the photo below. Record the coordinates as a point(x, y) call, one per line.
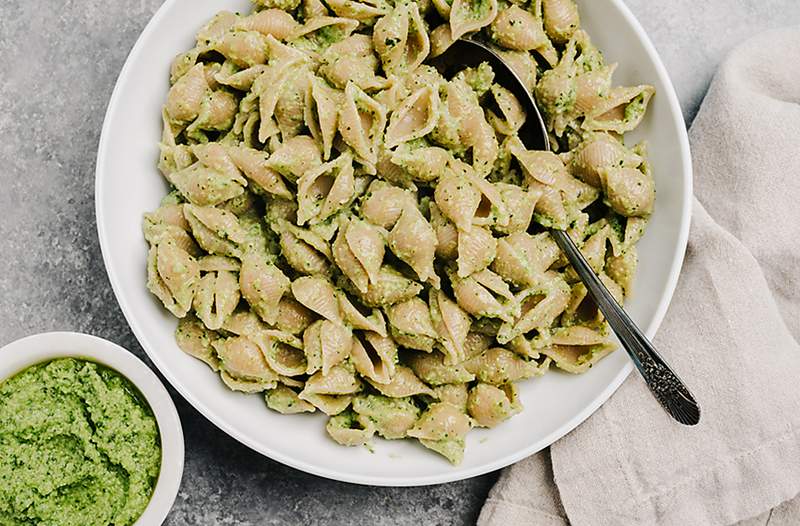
point(58, 64)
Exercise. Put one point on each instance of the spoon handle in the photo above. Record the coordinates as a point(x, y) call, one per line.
point(662, 381)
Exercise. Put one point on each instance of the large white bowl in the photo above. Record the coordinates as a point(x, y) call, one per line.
point(21, 354)
point(128, 185)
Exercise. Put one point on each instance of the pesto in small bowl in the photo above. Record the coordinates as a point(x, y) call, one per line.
point(80, 446)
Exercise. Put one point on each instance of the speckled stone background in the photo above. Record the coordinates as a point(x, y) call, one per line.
point(58, 65)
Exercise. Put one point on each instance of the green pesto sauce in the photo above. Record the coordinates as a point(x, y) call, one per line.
point(78, 446)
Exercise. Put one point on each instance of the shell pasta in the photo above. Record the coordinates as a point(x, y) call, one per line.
point(350, 233)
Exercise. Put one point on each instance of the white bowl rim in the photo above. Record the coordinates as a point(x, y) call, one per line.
point(39, 348)
point(675, 267)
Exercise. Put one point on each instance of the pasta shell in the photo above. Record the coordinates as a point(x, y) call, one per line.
point(424, 164)
point(384, 203)
point(217, 113)
point(453, 394)
point(411, 325)
point(473, 129)
point(358, 251)
point(245, 386)
point(212, 180)
point(413, 240)
point(285, 401)
point(186, 95)
point(415, 118)
point(442, 428)
point(357, 319)
point(457, 199)
point(184, 62)
point(441, 38)
point(538, 166)
point(467, 16)
point(216, 298)
point(374, 357)
point(446, 234)
point(243, 48)
point(196, 340)
point(172, 275)
point(520, 204)
point(390, 288)
point(305, 251)
point(269, 87)
point(253, 164)
point(519, 30)
point(404, 383)
point(512, 115)
point(216, 28)
point(241, 80)
point(244, 323)
point(401, 39)
point(313, 9)
point(322, 26)
point(295, 157)
point(452, 324)
point(216, 230)
point(498, 366)
point(321, 113)
point(325, 190)
point(489, 405)
point(522, 259)
point(581, 309)
point(241, 358)
point(597, 152)
point(284, 353)
point(392, 417)
point(173, 157)
point(263, 285)
point(340, 380)
point(592, 88)
point(326, 344)
point(361, 10)
point(441, 421)
point(480, 300)
point(443, 8)
point(622, 269)
point(352, 60)
point(561, 19)
point(318, 295)
point(167, 224)
point(629, 191)
point(522, 64)
point(361, 124)
point(274, 22)
point(329, 404)
point(431, 368)
point(347, 430)
point(293, 317)
point(557, 89)
point(575, 349)
point(290, 108)
point(538, 308)
point(622, 111)
point(476, 250)
point(492, 209)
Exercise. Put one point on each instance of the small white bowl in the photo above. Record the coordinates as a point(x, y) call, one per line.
point(21, 354)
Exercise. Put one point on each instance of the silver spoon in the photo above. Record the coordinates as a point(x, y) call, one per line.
point(662, 381)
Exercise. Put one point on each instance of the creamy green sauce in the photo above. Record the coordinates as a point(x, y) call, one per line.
point(78, 446)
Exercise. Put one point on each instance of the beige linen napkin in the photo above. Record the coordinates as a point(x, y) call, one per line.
point(732, 332)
